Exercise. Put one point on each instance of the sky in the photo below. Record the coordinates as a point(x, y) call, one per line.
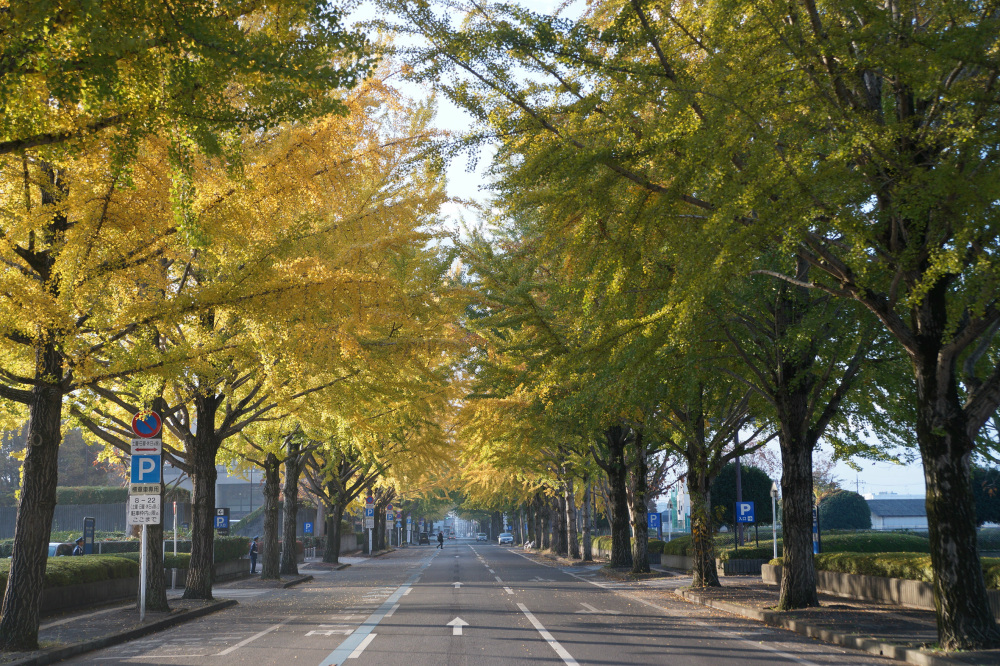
point(464, 183)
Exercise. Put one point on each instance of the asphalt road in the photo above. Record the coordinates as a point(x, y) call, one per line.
point(470, 603)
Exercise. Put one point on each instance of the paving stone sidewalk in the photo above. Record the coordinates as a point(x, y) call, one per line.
point(77, 632)
point(896, 632)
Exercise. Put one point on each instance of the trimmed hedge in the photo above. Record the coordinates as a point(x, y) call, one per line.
point(63, 571)
point(604, 543)
point(110, 495)
point(170, 561)
point(834, 542)
point(908, 566)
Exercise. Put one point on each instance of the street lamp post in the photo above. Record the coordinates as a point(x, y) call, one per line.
point(774, 517)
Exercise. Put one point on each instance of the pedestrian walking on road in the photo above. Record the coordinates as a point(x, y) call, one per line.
point(441, 540)
point(253, 555)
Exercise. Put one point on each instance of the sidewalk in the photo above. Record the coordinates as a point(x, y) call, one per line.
point(896, 632)
point(85, 630)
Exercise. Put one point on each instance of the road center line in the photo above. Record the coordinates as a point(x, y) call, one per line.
point(363, 634)
point(254, 637)
point(560, 650)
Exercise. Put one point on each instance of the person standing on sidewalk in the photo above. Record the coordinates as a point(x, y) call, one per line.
point(441, 540)
point(253, 555)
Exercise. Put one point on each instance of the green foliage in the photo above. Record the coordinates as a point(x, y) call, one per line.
point(852, 542)
point(844, 510)
point(756, 486)
point(986, 491)
point(170, 561)
point(229, 547)
point(111, 495)
point(655, 546)
point(63, 571)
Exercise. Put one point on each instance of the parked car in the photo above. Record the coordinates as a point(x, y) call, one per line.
point(422, 539)
point(481, 536)
point(506, 538)
point(56, 548)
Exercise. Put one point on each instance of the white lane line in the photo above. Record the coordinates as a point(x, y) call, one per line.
point(491, 570)
point(254, 637)
point(392, 610)
point(560, 650)
point(408, 590)
point(509, 591)
point(361, 648)
point(361, 634)
point(498, 579)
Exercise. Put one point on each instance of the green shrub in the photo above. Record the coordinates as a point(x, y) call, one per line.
point(63, 571)
point(678, 546)
point(170, 561)
point(229, 547)
point(746, 552)
point(908, 566)
point(845, 509)
point(656, 546)
point(91, 495)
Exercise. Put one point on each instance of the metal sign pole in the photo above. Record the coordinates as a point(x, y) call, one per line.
point(173, 570)
point(142, 576)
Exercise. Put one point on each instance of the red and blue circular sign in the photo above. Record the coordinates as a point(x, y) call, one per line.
point(146, 424)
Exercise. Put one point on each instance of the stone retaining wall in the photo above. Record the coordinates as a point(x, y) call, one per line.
point(897, 591)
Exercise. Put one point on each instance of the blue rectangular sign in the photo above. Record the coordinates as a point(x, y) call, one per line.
point(221, 522)
point(744, 512)
point(652, 520)
point(369, 512)
point(307, 528)
point(145, 469)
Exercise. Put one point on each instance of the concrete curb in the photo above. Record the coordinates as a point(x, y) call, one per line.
point(869, 645)
point(58, 654)
point(296, 581)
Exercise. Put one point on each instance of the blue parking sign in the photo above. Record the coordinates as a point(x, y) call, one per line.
point(307, 528)
point(744, 512)
point(653, 520)
point(145, 469)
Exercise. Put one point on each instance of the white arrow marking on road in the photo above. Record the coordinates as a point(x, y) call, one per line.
point(591, 609)
point(456, 626)
point(457, 585)
point(537, 579)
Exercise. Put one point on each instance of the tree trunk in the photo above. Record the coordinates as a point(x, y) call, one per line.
point(798, 575)
point(638, 470)
point(588, 548)
point(574, 540)
point(621, 552)
point(26, 578)
point(293, 468)
point(156, 582)
point(332, 551)
point(201, 451)
point(269, 565)
point(700, 492)
point(961, 603)
point(546, 524)
point(562, 529)
point(539, 522)
point(529, 510)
